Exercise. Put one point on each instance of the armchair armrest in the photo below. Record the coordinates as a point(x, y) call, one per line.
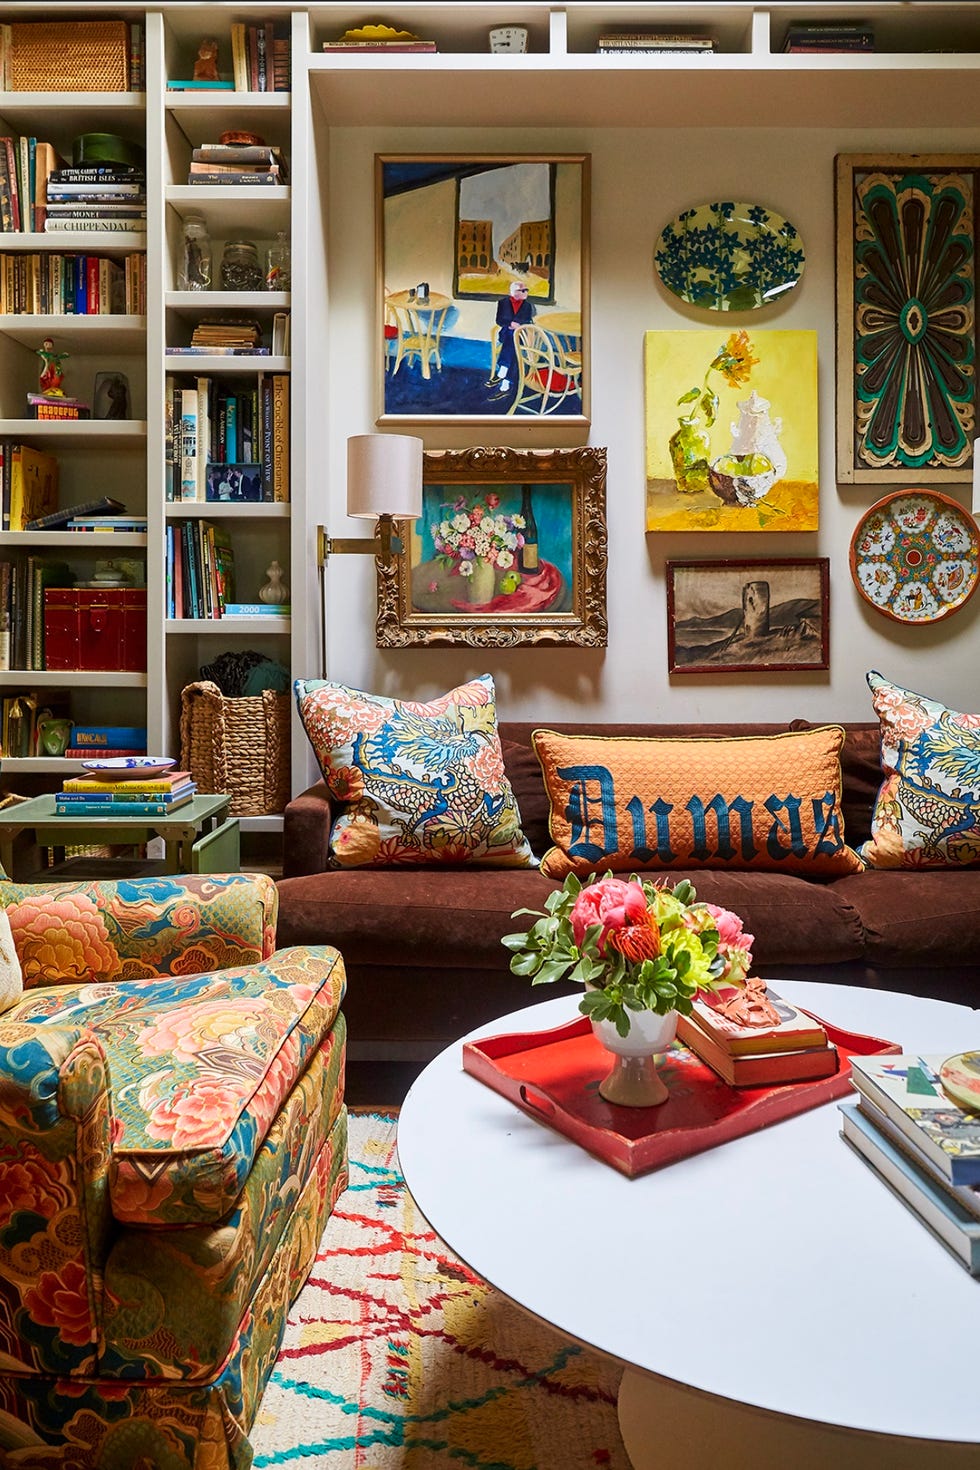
point(55, 1219)
point(306, 827)
point(126, 929)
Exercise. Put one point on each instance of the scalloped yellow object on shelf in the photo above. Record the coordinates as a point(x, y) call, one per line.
point(377, 33)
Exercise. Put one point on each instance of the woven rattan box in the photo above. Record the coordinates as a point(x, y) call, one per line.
point(237, 745)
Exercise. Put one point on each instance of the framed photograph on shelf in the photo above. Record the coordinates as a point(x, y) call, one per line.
point(748, 617)
point(483, 287)
point(510, 549)
point(906, 317)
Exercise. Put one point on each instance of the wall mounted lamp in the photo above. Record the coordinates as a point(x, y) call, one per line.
point(384, 484)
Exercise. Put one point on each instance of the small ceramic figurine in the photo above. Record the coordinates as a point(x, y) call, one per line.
point(275, 590)
point(52, 373)
point(206, 65)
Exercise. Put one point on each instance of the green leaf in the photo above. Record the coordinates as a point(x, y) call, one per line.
point(690, 395)
point(525, 964)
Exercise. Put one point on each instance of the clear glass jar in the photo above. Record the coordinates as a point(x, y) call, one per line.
point(240, 268)
point(194, 273)
point(278, 275)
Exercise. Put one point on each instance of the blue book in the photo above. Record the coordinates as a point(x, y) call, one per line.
point(101, 798)
point(907, 1090)
point(951, 1213)
point(97, 738)
point(109, 809)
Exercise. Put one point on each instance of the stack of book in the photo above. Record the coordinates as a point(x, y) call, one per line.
point(141, 796)
point(57, 520)
point(834, 35)
point(238, 163)
point(794, 1049)
point(98, 521)
point(379, 38)
point(922, 1143)
point(657, 42)
point(227, 334)
point(96, 197)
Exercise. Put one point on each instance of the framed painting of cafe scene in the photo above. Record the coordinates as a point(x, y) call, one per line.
point(482, 287)
point(510, 549)
point(906, 317)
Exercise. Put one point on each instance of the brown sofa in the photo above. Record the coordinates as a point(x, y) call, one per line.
point(422, 946)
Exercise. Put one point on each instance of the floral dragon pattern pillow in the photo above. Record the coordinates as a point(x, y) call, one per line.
point(927, 813)
point(420, 784)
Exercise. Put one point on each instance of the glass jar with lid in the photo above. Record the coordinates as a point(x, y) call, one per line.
point(194, 271)
point(240, 267)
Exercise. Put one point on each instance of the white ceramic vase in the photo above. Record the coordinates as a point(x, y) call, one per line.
point(634, 1081)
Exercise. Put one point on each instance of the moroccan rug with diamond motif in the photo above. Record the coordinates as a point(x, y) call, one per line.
point(397, 1357)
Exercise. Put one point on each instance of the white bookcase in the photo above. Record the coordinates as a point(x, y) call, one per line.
point(925, 71)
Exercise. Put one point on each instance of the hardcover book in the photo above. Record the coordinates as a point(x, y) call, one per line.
point(758, 1069)
point(907, 1090)
point(794, 1031)
point(148, 808)
point(968, 1195)
point(172, 781)
point(935, 1205)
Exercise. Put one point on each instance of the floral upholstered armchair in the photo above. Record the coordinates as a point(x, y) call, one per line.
point(173, 1137)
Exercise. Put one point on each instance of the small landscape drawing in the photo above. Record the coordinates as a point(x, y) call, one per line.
point(745, 616)
point(731, 430)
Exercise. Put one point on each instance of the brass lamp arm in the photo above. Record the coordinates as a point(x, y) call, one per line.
point(384, 545)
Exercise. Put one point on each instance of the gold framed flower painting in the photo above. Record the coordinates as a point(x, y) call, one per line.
point(731, 430)
point(510, 549)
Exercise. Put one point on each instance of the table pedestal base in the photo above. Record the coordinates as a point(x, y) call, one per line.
point(663, 1423)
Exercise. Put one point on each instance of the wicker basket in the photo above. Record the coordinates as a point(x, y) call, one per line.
point(240, 746)
point(68, 56)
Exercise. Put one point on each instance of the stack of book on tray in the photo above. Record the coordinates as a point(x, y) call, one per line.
point(238, 163)
point(638, 43)
point(115, 795)
point(922, 1142)
point(793, 1049)
point(832, 35)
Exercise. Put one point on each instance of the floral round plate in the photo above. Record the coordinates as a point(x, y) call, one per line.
point(729, 257)
point(129, 765)
point(914, 556)
point(960, 1077)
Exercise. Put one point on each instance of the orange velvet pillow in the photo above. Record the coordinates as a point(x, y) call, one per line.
point(629, 804)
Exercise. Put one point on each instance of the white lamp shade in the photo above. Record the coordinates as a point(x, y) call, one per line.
point(384, 476)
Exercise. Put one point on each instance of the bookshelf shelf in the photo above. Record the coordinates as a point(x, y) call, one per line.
point(104, 334)
point(75, 540)
point(57, 434)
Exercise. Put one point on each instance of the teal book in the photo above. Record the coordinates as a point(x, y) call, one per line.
point(108, 809)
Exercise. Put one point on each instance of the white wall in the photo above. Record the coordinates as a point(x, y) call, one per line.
point(640, 179)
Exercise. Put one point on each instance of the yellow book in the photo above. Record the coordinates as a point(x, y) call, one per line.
point(33, 485)
point(171, 782)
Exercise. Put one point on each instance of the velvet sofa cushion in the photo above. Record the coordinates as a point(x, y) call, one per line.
point(927, 814)
point(918, 919)
point(416, 783)
point(454, 920)
point(199, 1066)
point(629, 804)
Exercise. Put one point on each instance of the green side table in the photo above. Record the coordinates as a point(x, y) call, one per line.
point(200, 837)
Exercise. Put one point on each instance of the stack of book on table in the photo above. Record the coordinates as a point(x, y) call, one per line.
point(796, 1048)
point(921, 1142)
point(139, 796)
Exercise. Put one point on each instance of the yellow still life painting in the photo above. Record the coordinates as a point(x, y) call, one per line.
point(731, 430)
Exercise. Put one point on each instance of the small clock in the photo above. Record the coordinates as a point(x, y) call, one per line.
point(508, 38)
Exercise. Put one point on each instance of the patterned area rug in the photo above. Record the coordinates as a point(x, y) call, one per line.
point(397, 1357)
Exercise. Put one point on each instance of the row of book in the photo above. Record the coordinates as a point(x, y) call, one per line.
point(200, 569)
point(923, 1139)
point(139, 796)
point(28, 484)
point(55, 283)
point(211, 423)
point(22, 584)
point(260, 56)
point(237, 163)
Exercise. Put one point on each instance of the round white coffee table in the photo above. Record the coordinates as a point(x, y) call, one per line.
point(774, 1303)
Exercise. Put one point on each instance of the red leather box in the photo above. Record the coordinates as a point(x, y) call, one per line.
point(95, 628)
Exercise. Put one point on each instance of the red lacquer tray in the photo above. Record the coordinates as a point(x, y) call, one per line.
point(554, 1076)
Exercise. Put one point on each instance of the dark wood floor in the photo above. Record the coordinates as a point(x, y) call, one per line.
point(379, 1084)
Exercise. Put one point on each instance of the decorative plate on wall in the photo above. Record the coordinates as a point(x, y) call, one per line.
point(915, 556)
point(729, 257)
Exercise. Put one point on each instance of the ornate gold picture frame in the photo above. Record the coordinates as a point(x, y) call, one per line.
point(510, 549)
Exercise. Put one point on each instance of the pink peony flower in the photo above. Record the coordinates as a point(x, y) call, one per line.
point(734, 945)
point(611, 903)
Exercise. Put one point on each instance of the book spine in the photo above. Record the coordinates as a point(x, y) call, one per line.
point(211, 177)
point(265, 424)
point(280, 437)
point(81, 226)
point(135, 786)
point(114, 809)
point(189, 446)
point(94, 737)
point(73, 753)
point(257, 609)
